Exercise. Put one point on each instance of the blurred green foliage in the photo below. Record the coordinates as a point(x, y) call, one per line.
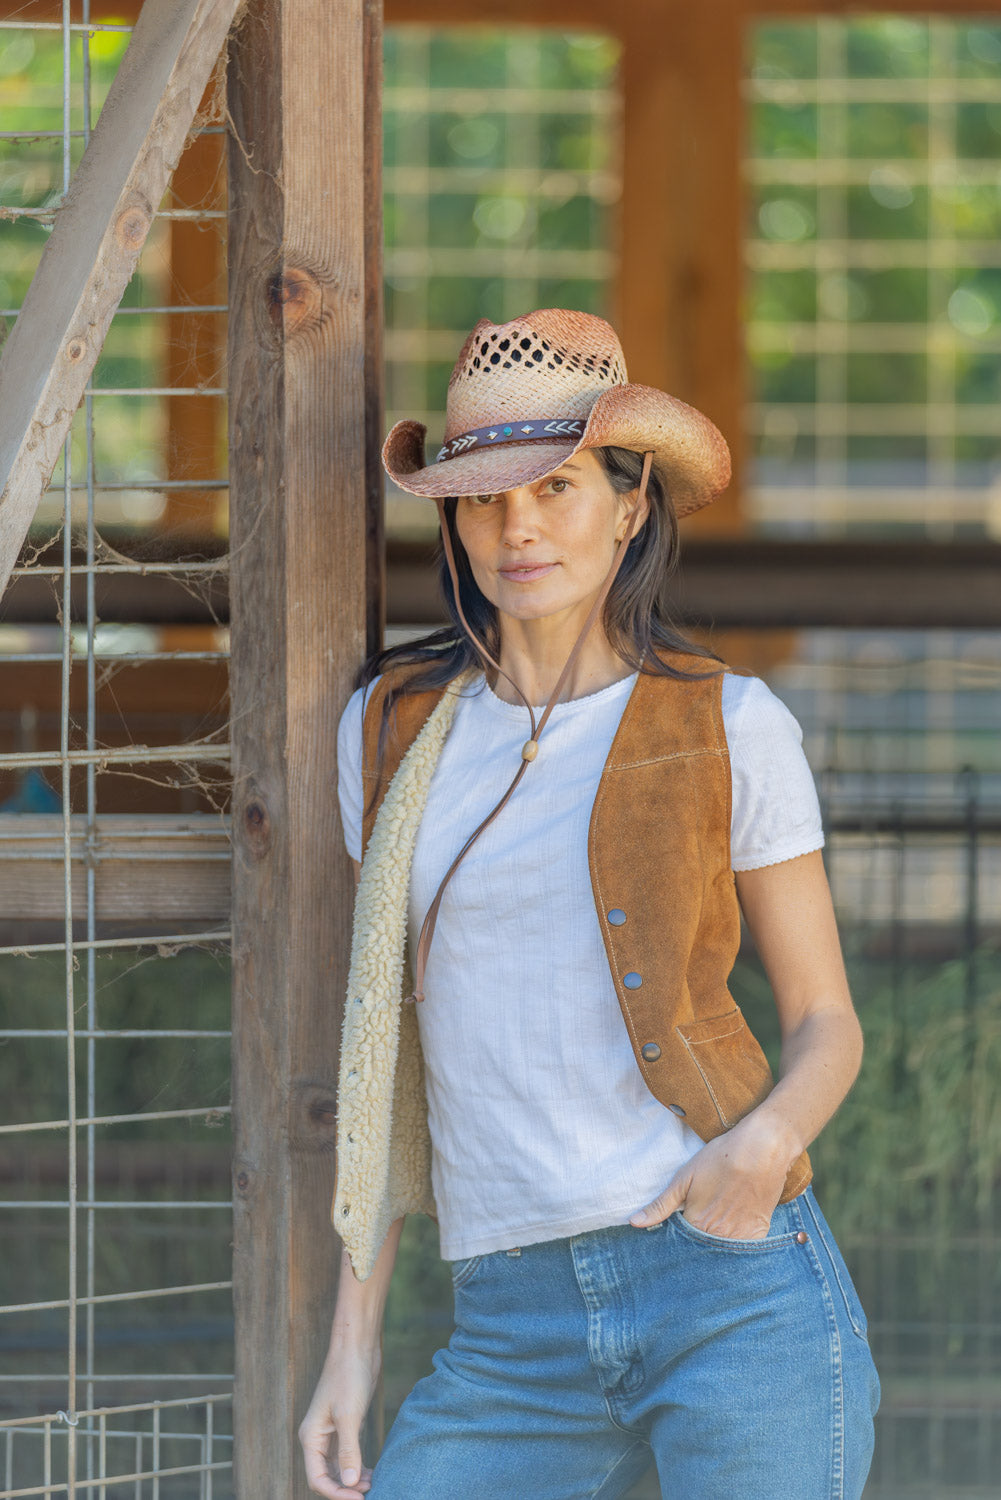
point(887, 130)
point(784, 130)
point(886, 47)
point(900, 176)
point(780, 50)
point(886, 377)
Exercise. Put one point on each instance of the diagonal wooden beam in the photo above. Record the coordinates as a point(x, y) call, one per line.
point(92, 251)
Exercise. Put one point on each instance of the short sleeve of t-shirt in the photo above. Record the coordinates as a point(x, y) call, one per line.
point(775, 815)
point(349, 782)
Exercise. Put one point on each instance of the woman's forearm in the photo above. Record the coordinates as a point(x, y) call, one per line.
point(820, 1062)
point(790, 914)
point(361, 1304)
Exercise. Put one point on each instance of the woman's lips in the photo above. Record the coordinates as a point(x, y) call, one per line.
point(527, 573)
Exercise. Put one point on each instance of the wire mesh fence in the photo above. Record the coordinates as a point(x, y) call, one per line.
point(115, 1333)
point(119, 1446)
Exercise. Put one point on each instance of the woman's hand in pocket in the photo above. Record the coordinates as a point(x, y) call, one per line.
point(730, 1187)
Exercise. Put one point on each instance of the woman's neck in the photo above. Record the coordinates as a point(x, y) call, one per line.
point(534, 653)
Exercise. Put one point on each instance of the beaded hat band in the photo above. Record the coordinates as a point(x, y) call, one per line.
point(535, 431)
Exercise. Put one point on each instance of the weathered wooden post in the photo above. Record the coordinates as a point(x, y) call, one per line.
point(304, 234)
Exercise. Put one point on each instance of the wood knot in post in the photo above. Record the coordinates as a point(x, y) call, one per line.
point(75, 350)
point(257, 827)
point(313, 1116)
point(295, 299)
point(131, 228)
point(245, 1180)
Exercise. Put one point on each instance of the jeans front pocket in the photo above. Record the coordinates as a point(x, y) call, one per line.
point(778, 1237)
point(462, 1270)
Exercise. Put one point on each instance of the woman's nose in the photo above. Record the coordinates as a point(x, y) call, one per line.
point(520, 520)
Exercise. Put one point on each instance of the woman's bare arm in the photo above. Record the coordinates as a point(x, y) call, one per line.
point(732, 1185)
point(789, 912)
point(330, 1432)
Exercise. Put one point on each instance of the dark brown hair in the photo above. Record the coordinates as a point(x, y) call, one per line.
point(636, 616)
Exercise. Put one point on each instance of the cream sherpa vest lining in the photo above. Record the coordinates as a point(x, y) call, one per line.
point(383, 1144)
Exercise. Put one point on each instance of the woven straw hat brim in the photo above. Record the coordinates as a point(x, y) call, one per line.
point(689, 453)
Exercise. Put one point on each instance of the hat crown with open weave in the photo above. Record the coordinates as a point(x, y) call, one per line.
point(547, 364)
point(526, 395)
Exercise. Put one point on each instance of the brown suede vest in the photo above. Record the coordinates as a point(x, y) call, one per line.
point(659, 855)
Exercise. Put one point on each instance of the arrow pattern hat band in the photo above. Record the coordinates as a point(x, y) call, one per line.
point(570, 365)
point(522, 432)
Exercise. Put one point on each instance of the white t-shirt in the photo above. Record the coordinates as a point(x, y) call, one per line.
point(541, 1123)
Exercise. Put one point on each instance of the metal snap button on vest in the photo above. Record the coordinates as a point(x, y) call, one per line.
point(651, 1052)
point(632, 980)
point(676, 1109)
point(616, 916)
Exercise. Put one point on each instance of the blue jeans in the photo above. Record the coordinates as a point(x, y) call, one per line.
point(741, 1367)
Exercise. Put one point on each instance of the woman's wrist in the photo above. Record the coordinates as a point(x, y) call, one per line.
point(770, 1137)
point(355, 1336)
point(358, 1316)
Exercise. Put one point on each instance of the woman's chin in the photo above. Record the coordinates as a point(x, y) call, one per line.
point(522, 605)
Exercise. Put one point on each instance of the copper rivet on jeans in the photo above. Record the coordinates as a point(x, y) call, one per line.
point(802, 1237)
point(650, 1051)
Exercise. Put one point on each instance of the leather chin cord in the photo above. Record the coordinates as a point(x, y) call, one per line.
point(531, 746)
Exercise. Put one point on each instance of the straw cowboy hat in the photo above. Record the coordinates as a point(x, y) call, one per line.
point(526, 395)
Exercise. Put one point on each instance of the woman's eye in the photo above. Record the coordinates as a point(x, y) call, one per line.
point(480, 499)
point(559, 485)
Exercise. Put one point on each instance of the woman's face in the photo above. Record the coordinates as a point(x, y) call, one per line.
point(544, 549)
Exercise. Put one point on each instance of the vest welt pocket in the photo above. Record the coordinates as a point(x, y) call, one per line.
point(733, 1067)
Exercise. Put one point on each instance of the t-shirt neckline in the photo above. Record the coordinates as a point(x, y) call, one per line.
point(480, 688)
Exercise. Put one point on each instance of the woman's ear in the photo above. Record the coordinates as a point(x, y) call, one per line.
point(626, 506)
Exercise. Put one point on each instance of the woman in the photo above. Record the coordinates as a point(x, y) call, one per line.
point(641, 1269)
